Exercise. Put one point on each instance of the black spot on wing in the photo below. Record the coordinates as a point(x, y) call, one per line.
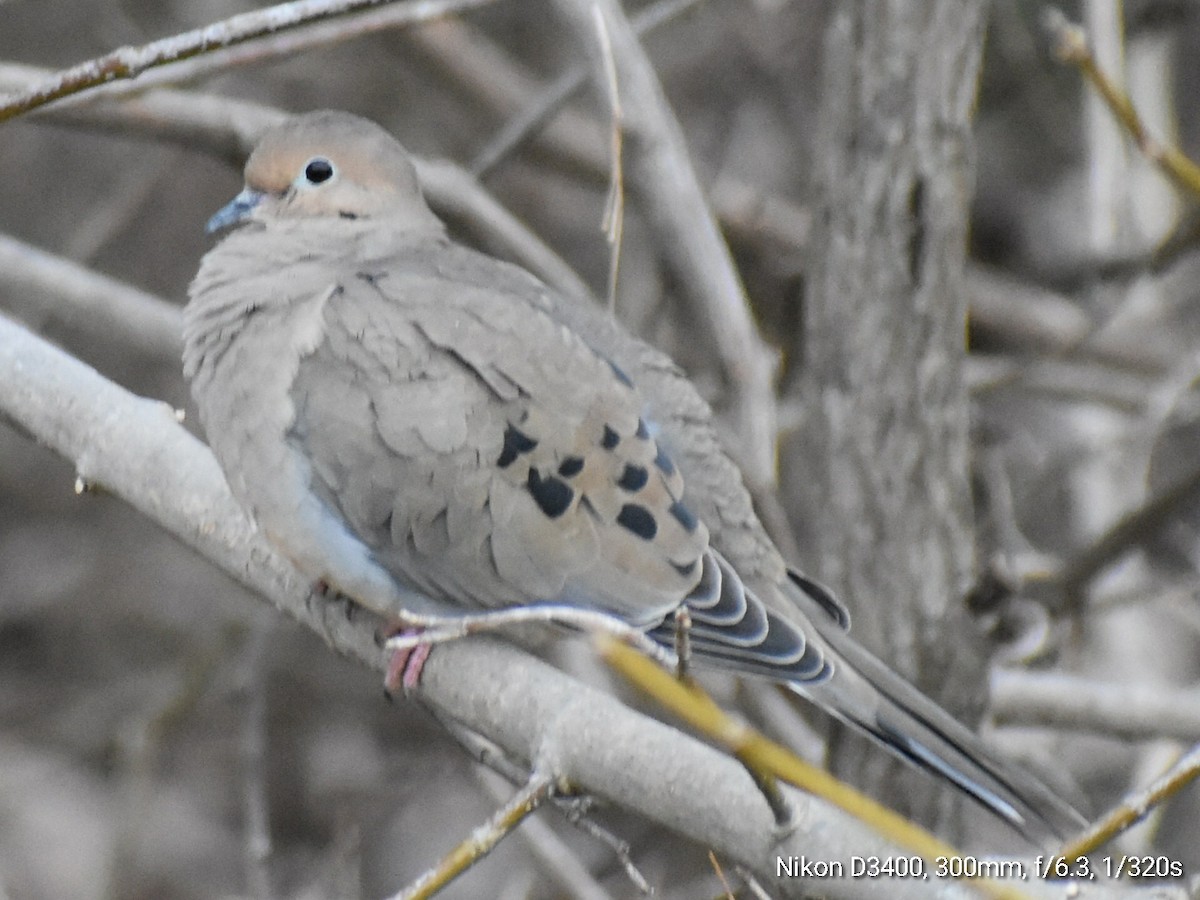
point(683, 516)
point(516, 442)
point(552, 495)
point(570, 466)
point(639, 520)
point(642, 431)
point(633, 479)
point(610, 439)
point(664, 463)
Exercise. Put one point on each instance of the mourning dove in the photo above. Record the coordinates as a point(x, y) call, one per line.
point(406, 418)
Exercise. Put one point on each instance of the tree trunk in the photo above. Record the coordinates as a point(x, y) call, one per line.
point(885, 481)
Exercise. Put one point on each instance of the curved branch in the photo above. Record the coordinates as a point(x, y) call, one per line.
point(129, 62)
point(135, 449)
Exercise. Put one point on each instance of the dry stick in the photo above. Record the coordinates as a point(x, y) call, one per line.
point(614, 204)
point(537, 114)
point(772, 761)
point(137, 450)
point(574, 808)
point(1134, 808)
point(1073, 703)
point(1129, 532)
point(1071, 46)
point(291, 43)
point(253, 746)
point(129, 62)
point(225, 126)
point(537, 790)
point(716, 866)
point(660, 173)
point(559, 863)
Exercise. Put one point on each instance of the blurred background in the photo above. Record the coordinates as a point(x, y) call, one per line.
point(138, 685)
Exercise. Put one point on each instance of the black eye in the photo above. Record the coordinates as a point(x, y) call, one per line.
point(318, 169)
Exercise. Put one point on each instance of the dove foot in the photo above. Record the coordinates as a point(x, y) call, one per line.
point(405, 665)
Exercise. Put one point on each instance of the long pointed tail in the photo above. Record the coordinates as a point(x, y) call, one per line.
point(815, 656)
point(866, 694)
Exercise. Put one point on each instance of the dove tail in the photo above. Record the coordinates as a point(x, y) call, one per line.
point(869, 696)
point(732, 628)
point(931, 739)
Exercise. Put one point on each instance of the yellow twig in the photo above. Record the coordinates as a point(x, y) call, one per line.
point(1071, 46)
point(774, 761)
point(536, 791)
point(1132, 809)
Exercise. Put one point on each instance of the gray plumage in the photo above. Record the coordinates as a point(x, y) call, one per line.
point(405, 418)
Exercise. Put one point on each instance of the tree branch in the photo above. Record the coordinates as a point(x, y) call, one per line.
point(135, 449)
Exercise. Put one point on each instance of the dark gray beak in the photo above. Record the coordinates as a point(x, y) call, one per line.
point(235, 210)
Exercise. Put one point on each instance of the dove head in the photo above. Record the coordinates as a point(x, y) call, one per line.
point(328, 165)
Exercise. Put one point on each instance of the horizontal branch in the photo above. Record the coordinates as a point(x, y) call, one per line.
point(101, 305)
point(135, 449)
point(130, 62)
point(1072, 703)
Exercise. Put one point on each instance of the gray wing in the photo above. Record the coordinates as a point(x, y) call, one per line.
point(485, 454)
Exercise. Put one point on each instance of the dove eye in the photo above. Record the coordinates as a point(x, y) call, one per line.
point(318, 169)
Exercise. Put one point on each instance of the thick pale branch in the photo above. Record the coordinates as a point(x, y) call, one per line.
point(135, 449)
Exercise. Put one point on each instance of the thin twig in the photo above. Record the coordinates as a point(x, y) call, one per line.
point(443, 629)
point(129, 62)
point(535, 115)
point(614, 204)
point(1071, 46)
point(559, 862)
point(574, 808)
point(537, 790)
point(1073, 703)
point(720, 872)
point(770, 760)
point(1135, 807)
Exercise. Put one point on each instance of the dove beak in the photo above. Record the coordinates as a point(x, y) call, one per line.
point(235, 210)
